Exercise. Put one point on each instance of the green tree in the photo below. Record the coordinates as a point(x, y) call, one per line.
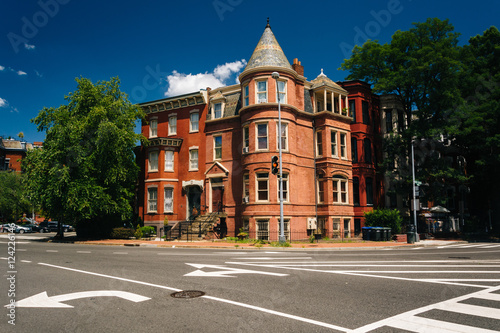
point(86, 172)
point(13, 199)
point(384, 218)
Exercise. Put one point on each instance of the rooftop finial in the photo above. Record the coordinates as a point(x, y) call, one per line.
point(268, 25)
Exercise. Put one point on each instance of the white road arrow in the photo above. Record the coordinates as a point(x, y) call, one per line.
point(225, 271)
point(42, 300)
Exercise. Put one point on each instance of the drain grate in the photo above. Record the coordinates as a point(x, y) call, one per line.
point(187, 294)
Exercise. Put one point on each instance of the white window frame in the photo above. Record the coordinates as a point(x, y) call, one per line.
point(319, 152)
point(153, 161)
point(282, 93)
point(246, 137)
point(246, 186)
point(259, 93)
point(262, 229)
point(285, 143)
point(257, 137)
point(192, 160)
point(286, 187)
point(153, 128)
point(217, 148)
point(246, 95)
point(321, 180)
point(343, 146)
point(172, 124)
point(167, 209)
point(152, 202)
point(258, 179)
point(169, 152)
point(214, 112)
point(192, 128)
point(339, 180)
point(286, 225)
point(334, 144)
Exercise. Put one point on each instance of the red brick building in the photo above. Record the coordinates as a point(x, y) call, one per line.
point(12, 153)
point(221, 167)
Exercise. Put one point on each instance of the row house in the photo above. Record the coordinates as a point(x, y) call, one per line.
point(12, 153)
point(222, 166)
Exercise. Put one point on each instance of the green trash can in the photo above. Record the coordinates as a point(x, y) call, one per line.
point(376, 234)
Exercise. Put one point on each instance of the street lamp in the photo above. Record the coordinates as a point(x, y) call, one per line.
point(414, 191)
point(282, 239)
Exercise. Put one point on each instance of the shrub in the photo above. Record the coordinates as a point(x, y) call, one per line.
point(122, 233)
point(384, 218)
point(148, 230)
point(138, 232)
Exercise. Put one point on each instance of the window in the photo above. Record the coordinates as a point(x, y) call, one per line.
point(401, 121)
point(246, 139)
point(217, 110)
point(261, 136)
point(285, 188)
point(340, 190)
point(246, 101)
point(355, 191)
point(152, 198)
point(194, 120)
point(153, 128)
point(153, 161)
point(172, 125)
point(388, 121)
point(262, 227)
point(262, 186)
point(319, 143)
point(169, 160)
point(246, 187)
point(354, 150)
point(193, 160)
point(366, 114)
point(369, 191)
point(286, 228)
point(262, 91)
point(169, 200)
point(368, 150)
point(217, 147)
point(352, 109)
point(333, 140)
point(284, 135)
point(281, 92)
point(343, 146)
point(321, 188)
point(347, 228)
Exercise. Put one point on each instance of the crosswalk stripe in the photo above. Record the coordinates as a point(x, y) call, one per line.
point(425, 325)
point(490, 297)
point(491, 246)
point(474, 310)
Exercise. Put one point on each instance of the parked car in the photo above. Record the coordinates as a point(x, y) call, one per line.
point(34, 227)
point(18, 229)
point(51, 226)
point(21, 229)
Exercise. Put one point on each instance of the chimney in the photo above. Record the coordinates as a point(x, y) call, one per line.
point(298, 67)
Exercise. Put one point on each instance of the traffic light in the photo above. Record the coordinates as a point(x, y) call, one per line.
point(274, 165)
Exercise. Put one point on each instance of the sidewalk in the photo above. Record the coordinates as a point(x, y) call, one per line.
point(219, 244)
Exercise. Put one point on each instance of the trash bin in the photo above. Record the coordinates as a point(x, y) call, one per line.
point(366, 232)
point(388, 234)
point(377, 234)
point(411, 236)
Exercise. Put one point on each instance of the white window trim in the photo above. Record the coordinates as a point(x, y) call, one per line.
point(335, 152)
point(257, 90)
point(346, 145)
point(257, 187)
point(191, 123)
point(198, 160)
point(286, 135)
point(222, 107)
point(339, 179)
point(148, 199)
point(287, 181)
point(285, 92)
point(173, 160)
point(245, 95)
point(318, 181)
point(165, 201)
point(150, 169)
point(257, 136)
point(173, 115)
point(214, 148)
point(318, 153)
point(244, 141)
point(155, 119)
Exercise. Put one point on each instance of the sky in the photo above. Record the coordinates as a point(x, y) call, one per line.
point(166, 48)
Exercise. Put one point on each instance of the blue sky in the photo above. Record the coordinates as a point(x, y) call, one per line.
point(161, 48)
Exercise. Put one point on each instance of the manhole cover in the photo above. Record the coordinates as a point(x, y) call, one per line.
point(187, 294)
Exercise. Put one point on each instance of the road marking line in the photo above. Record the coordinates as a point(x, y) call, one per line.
point(490, 297)
point(248, 306)
point(423, 325)
point(27, 261)
point(275, 258)
point(467, 246)
point(53, 251)
point(491, 246)
point(120, 252)
point(22, 250)
point(83, 252)
point(475, 310)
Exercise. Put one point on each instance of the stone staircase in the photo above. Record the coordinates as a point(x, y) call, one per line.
point(198, 229)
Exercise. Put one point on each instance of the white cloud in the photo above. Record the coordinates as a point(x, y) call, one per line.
point(3, 103)
point(2, 68)
point(28, 46)
point(21, 73)
point(180, 83)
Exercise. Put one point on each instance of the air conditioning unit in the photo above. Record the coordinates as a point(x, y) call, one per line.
point(245, 200)
point(245, 150)
point(311, 223)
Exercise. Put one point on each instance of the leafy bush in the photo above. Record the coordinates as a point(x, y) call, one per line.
point(148, 230)
point(122, 233)
point(384, 218)
point(138, 232)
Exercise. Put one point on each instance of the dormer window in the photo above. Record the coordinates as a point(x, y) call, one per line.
point(217, 110)
point(262, 91)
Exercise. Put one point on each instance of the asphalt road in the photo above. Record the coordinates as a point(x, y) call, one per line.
point(129, 289)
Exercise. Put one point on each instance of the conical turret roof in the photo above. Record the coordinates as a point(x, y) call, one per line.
point(268, 52)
